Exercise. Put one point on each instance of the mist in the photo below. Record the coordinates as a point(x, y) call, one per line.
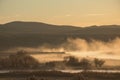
point(94, 48)
point(80, 48)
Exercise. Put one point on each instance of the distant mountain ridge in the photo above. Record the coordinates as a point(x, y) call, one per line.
point(38, 27)
point(34, 34)
point(34, 27)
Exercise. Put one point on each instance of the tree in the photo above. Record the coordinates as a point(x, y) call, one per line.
point(19, 60)
point(98, 62)
point(85, 63)
point(72, 61)
point(50, 64)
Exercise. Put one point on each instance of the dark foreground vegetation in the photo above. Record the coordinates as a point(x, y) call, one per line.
point(22, 61)
point(56, 75)
point(22, 66)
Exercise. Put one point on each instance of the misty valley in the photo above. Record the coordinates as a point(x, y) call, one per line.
point(59, 39)
point(39, 51)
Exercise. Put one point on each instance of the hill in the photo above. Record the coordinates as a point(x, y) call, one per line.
point(34, 34)
point(34, 27)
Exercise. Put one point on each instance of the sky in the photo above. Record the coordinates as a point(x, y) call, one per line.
point(61, 12)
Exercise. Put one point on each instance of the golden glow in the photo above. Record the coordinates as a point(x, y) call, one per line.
point(63, 12)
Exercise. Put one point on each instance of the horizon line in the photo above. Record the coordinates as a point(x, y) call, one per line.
point(59, 24)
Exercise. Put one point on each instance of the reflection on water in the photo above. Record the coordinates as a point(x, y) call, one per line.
point(77, 71)
point(67, 71)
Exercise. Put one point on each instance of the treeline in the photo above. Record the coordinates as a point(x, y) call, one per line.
point(76, 63)
point(22, 60)
point(84, 63)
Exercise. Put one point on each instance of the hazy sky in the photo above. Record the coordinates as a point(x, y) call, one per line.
point(64, 12)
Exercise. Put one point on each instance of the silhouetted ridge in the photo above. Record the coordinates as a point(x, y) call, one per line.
point(35, 27)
